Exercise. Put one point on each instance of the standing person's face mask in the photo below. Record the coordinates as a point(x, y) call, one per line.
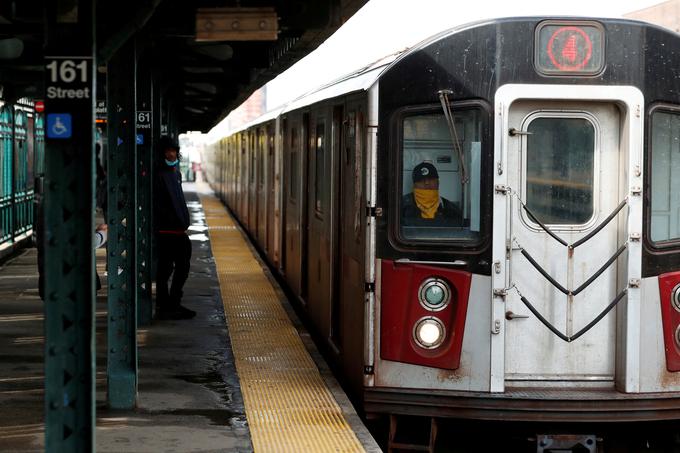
point(171, 157)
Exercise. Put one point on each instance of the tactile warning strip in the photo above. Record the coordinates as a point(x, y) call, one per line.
point(288, 406)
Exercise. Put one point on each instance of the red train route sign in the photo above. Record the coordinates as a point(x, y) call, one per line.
point(570, 49)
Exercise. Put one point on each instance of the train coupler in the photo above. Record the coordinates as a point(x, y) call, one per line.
point(566, 443)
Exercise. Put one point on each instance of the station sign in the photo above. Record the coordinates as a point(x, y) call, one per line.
point(143, 120)
point(68, 97)
point(143, 126)
point(100, 110)
point(68, 78)
point(570, 48)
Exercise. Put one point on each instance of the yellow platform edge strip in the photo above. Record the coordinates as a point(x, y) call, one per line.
point(288, 406)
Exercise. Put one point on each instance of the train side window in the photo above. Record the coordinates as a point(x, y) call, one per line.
point(560, 168)
point(665, 177)
point(440, 197)
point(319, 166)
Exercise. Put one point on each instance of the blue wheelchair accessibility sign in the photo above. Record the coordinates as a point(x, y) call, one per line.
point(59, 125)
point(140, 139)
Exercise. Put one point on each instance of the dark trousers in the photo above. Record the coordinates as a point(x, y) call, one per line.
point(174, 255)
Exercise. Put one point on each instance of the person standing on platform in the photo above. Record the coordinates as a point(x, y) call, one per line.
point(171, 221)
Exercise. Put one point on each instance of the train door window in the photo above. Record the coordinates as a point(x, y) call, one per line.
point(294, 174)
point(319, 166)
point(357, 136)
point(560, 169)
point(440, 194)
point(260, 159)
point(251, 140)
point(665, 177)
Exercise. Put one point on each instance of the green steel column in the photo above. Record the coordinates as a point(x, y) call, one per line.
point(145, 141)
point(69, 228)
point(155, 133)
point(122, 263)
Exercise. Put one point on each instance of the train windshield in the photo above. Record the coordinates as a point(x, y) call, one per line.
point(665, 178)
point(439, 200)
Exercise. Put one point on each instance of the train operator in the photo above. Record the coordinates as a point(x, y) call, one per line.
point(424, 205)
point(171, 221)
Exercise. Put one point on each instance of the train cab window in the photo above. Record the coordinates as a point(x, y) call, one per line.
point(560, 157)
point(440, 195)
point(665, 177)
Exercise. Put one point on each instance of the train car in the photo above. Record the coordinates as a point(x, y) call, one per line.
point(487, 227)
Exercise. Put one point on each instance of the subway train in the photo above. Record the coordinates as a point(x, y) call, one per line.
point(485, 226)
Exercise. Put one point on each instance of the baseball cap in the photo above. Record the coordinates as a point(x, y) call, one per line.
point(424, 170)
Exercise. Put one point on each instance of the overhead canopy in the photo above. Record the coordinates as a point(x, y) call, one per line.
point(208, 55)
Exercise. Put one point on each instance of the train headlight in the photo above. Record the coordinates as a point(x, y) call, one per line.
point(675, 297)
point(434, 294)
point(429, 332)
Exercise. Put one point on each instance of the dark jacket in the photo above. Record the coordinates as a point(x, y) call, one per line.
point(170, 207)
point(448, 214)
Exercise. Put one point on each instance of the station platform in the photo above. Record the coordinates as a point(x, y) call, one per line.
point(248, 381)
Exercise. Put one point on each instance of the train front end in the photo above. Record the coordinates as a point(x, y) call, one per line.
point(527, 236)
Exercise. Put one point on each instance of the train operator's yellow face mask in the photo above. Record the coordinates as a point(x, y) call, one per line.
point(427, 201)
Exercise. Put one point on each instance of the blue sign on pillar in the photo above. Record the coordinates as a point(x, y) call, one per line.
point(140, 139)
point(59, 125)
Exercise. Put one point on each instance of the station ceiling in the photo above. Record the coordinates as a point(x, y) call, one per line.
point(239, 46)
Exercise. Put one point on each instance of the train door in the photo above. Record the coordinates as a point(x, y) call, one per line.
point(285, 177)
point(350, 278)
point(252, 183)
point(564, 173)
point(338, 195)
point(261, 191)
point(305, 131)
point(271, 194)
point(243, 179)
point(293, 200)
point(319, 215)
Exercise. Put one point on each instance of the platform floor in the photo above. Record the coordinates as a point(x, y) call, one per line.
point(190, 397)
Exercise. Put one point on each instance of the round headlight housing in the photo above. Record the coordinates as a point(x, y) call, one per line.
point(677, 336)
point(434, 294)
point(429, 332)
point(675, 297)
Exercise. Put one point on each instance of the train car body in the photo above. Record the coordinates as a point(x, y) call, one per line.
point(550, 289)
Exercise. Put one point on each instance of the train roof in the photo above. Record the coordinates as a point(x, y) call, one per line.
point(357, 81)
point(364, 78)
point(349, 83)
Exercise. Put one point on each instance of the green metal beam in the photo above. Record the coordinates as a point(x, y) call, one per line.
point(145, 142)
point(69, 228)
point(122, 250)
